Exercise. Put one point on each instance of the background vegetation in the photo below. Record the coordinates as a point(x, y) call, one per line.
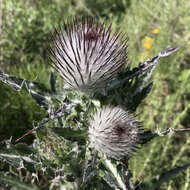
point(151, 26)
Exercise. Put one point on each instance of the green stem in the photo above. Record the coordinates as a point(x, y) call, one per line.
point(115, 173)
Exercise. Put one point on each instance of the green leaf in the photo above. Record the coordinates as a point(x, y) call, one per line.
point(39, 92)
point(16, 183)
point(139, 95)
point(168, 175)
point(70, 134)
point(17, 155)
point(53, 81)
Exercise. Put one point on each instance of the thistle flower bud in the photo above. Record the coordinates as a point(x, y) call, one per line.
point(87, 55)
point(114, 132)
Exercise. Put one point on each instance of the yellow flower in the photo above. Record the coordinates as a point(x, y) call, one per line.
point(148, 42)
point(155, 31)
point(140, 57)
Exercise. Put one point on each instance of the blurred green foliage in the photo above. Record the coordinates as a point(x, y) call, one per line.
point(25, 32)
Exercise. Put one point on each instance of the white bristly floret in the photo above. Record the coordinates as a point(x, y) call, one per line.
point(87, 55)
point(114, 132)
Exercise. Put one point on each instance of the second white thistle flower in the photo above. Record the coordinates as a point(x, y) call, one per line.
point(114, 132)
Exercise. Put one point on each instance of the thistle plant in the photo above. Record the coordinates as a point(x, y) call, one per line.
point(79, 126)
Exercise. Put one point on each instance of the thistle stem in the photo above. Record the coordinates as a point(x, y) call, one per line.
point(116, 174)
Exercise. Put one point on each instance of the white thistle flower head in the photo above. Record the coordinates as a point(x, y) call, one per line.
point(114, 132)
point(87, 55)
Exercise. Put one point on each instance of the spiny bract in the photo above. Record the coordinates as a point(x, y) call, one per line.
point(114, 132)
point(87, 55)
